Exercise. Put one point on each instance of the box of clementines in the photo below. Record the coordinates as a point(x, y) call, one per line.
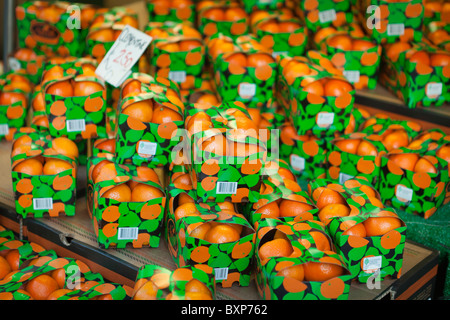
point(392, 21)
point(305, 154)
point(177, 53)
point(248, 76)
point(44, 171)
point(315, 101)
point(369, 236)
point(149, 117)
point(174, 11)
point(355, 154)
point(214, 234)
point(227, 17)
point(295, 260)
point(281, 198)
point(128, 204)
point(225, 154)
point(184, 283)
point(15, 94)
point(28, 60)
point(52, 28)
point(418, 73)
point(281, 35)
point(415, 179)
point(75, 99)
point(438, 33)
point(320, 14)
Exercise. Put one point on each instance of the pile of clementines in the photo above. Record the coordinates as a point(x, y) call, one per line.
point(231, 48)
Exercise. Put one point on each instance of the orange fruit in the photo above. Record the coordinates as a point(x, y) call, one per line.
point(361, 45)
point(5, 268)
point(209, 99)
point(55, 295)
point(238, 59)
point(421, 57)
point(60, 276)
point(444, 153)
point(147, 291)
point(269, 210)
point(366, 148)
point(333, 210)
point(171, 47)
point(62, 88)
point(424, 165)
point(142, 110)
point(295, 69)
point(195, 285)
point(295, 272)
point(86, 88)
point(41, 286)
point(321, 241)
point(200, 231)
point(226, 205)
point(440, 60)
point(342, 42)
point(357, 230)
point(184, 198)
point(291, 208)
point(214, 14)
point(406, 161)
point(286, 174)
point(25, 54)
point(348, 145)
point(188, 45)
point(7, 98)
point(186, 209)
point(378, 226)
point(105, 35)
point(143, 193)
point(270, 26)
point(394, 50)
point(275, 248)
point(222, 233)
point(108, 145)
point(120, 193)
point(216, 144)
point(131, 88)
point(163, 114)
point(66, 147)
point(288, 27)
point(256, 60)
point(235, 14)
point(395, 139)
point(147, 174)
point(110, 172)
point(315, 87)
point(55, 166)
point(318, 271)
point(336, 87)
point(29, 166)
point(329, 196)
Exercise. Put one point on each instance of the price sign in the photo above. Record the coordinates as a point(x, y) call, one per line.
point(125, 52)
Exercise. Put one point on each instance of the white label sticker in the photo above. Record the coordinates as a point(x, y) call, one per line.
point(395, 29)
point(42, 203)
point(221, 273)
point(177, 76)
point(129, 233)
point(434, 89)
point(14, 64)
point(403, 193)
point(297, 162)
point(147, 148)
point(327, 15)
point(4, 129)
point(344, 177)
point(352, 75)
point(226, 187)
point(76, 125)
point(247, 90)
point(125, 52)
point(371, 264)
point(325, 118)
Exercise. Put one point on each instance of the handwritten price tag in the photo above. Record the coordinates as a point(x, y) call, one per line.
point(125, 52)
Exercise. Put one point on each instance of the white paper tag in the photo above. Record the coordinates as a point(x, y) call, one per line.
point(372, 263)
point(325, 118)
point(327, 15)
point(395, 29)
point(352, 75)
point(14, 64)
point(125, 52)
point(247, 90)
point(297, 162)
point(42, 203)
point(129, 233)
point(78, 125)
point(404, 193)
point(147, 148)
point(344, 177)
point(4, 129)
point(220, 273)
point(177, 76)
point(226, 187)
point(434, 89)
